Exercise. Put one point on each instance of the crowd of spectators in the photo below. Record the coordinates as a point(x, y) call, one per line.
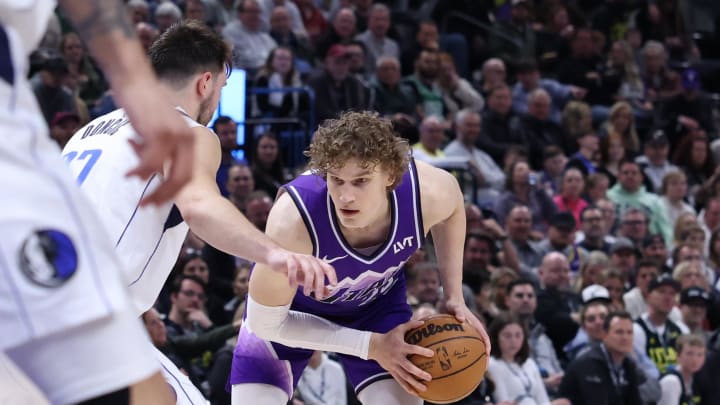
point(582, 132)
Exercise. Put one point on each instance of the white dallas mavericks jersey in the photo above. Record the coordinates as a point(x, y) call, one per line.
point(147, 239)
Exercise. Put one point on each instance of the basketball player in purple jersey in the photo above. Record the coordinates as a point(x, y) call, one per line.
point(365, 208)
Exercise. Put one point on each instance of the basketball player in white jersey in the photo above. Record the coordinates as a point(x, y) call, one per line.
point(191, 62)
point(63, 302)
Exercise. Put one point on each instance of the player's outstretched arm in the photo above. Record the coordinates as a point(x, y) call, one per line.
point(167, 141)
point(218, 222)
point(444, 213)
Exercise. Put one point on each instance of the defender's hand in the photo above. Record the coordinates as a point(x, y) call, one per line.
point(305, 270)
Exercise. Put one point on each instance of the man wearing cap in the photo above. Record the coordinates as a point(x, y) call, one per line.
point(654, 333)
point(629, 192)
point(335, 89)
point(595, 300)
point(561, 237)
point(654, 162)
point(694, 303)
point(63, 126)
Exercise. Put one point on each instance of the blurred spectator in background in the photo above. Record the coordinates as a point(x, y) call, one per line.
point(268, 170)
point(621, 124)
point(693, 156)
point(661, 82)
point(576, 122)
point(63, 126)
point(689, 111)
point(554, 163)
point(537, 127)
point(569, 196)
point(502, 128)
point(83, 79)
point(139, 11)
point(240, 183)
point(167, 14)
point(341, 31)
point(312, 18)
point(376, 40)
point(147, 34)
point(322, 381)
point(488, 175)
point(226, 130)
point(251, 45)
point(673, 191)
point(427, 37)
point(47, 84)
point(529, 79)
point(514, 39)
point(458, 93)
point(281, 30)
point(678, 385)
point(494, 74)
point(335, 90)
point(391, 95)
point(586, 158)
point(432, 136)
point(558, 306)
point(295, 21)
point(521, 187)
point(279, 73)
point(424, 85)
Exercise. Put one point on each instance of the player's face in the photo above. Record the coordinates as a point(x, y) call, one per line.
point(511, 339)
point(360, 194)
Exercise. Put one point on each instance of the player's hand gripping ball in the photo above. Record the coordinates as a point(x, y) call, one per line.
point(460, 359)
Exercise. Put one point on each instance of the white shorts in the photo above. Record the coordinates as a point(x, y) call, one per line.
point(63, 300)
point(89, 361)
point(185, 392)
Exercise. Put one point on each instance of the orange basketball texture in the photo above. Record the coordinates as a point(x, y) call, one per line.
point(460, 358)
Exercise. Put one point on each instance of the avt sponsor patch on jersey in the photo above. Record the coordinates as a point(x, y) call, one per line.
point(48, 258)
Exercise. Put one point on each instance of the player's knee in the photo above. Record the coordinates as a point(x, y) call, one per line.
point(119, 397)
point(387, 391)
point(259, 394)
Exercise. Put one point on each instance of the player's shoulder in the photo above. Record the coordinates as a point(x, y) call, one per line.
point(438, 190)
point(286, 226)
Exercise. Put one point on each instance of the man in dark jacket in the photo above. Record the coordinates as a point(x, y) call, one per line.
point(335, 89)
point(501, 128)
point(605, 374)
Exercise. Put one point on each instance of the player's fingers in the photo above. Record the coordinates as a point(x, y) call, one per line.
point(292, 272)
point(329, 272)
point(411, 324)
point(403, 384)
point(415, 371)
point(419, 350)
point(319, 282)
point(309, 280)
point(414, 385)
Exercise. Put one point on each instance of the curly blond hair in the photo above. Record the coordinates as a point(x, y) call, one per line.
point(363, 136)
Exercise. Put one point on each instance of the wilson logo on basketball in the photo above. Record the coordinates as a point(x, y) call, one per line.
point(430, 330)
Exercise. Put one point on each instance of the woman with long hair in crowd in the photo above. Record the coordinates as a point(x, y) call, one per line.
point(632, 88)
point(612, 152)
point(277, 73)
point(694, 157)
point(673, 191)
point(267, 166)
point(591, 270)
point(621, 122)
point(614, 281)
point(84, 79)
point(572, 184)
point(576, 122)
point(516, 375)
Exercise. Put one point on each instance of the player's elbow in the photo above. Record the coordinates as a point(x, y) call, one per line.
point(192, 208)
point(265, 321)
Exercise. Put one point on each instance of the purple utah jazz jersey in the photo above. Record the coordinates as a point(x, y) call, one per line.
point(362, 280)
point(370, 294)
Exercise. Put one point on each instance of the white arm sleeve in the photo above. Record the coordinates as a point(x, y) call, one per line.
point(307, 331)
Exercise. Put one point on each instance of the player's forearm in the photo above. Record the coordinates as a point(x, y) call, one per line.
point(218, 222)
point(105, 27)
point(303, 330)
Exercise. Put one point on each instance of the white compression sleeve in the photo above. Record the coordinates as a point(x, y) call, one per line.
point(300, 329)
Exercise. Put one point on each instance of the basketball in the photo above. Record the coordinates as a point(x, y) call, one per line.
point(460, 358)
